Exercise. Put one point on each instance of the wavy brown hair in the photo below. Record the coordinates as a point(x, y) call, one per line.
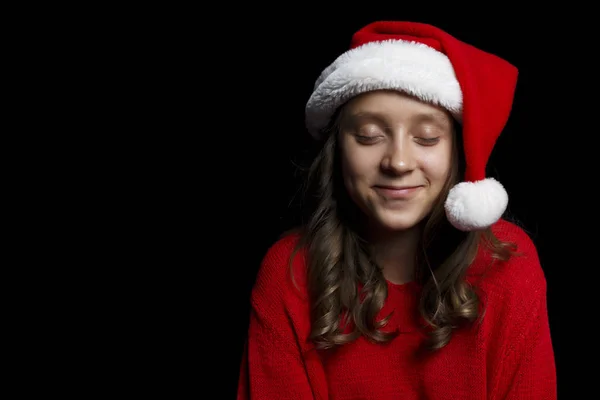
point(347, 289)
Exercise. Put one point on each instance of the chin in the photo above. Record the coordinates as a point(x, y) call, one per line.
point(397, 221)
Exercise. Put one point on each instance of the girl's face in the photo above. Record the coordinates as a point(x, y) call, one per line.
point(396, 154)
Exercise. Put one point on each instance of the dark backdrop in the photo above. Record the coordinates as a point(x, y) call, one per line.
point(198, 116)
point(284, 69)
point(231, 174)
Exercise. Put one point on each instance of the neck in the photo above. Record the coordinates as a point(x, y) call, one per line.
point(395, 253)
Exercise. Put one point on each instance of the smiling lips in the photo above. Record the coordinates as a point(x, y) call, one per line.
point(397, 192)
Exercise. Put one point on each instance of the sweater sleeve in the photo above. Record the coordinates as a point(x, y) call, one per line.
point(527, 366)
point(276, 363)
point(530, 365)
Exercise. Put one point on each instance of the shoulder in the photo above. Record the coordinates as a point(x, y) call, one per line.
point(510, 232)
point(513, 297)
point(519, 280)
point(274, 277)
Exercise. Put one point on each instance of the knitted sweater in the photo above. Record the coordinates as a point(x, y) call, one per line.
point(508, 355)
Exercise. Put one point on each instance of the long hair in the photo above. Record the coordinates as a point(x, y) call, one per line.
point(347, 289)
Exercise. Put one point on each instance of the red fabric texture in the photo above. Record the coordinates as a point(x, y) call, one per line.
point(508, 355)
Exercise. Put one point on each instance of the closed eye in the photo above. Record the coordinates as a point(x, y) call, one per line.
point(428, 141)
point(367, 139)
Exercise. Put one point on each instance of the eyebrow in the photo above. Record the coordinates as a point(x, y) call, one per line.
point(365, 115)
point(435, 118)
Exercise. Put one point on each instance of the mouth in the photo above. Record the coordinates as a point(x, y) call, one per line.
point(397, 192)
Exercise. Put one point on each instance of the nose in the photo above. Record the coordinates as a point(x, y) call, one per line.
point(398, 159)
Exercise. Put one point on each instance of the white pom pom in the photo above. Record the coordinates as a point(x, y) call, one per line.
point(476, 205)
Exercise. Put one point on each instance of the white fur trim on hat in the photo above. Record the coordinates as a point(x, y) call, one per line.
point(476, 205)
point(392, 64)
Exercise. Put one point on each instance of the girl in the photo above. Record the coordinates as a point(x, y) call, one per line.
point(405, 282)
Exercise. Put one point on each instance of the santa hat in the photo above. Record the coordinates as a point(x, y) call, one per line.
point(476, 87)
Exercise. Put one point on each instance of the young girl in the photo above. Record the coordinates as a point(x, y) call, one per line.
point(405, 282)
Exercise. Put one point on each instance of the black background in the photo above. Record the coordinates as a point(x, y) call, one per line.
point(162, 168)
point(532, 157)
point(223, 174)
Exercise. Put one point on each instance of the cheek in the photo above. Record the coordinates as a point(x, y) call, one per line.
point(358, 165)
point(437, 165)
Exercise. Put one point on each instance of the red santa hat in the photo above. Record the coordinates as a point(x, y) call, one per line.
point(476, 87)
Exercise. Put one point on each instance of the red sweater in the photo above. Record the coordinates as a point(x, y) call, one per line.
point(508, 356)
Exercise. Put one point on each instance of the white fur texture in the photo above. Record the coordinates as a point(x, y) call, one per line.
point(476, 205)
point(393, 64)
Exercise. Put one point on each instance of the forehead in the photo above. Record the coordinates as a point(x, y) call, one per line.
point(393, 106)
